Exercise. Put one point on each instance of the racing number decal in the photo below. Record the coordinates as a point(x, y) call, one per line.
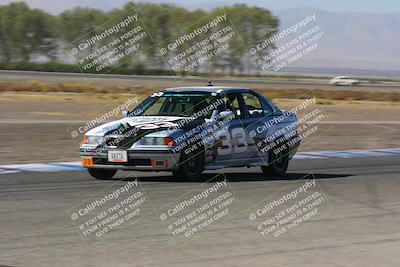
point(87, 162)
point(157, 94)
point(242, 145)
point(226, 146)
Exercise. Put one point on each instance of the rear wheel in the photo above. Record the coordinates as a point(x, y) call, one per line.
point(102, 174)
point(190, 166)
point(277, 163)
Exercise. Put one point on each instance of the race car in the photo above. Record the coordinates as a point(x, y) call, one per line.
point(188, 130)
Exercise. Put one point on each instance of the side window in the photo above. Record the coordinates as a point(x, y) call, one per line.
point(232, 103)
point(253, 105)
point(268, 110)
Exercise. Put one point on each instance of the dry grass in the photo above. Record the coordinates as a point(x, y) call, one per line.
point(331, 95)
point(86, 88)
point(324, 96)
point(323, 101)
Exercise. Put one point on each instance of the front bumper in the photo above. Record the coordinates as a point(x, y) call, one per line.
point(140, 160)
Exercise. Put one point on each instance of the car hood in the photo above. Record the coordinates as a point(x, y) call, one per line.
point(131, 122)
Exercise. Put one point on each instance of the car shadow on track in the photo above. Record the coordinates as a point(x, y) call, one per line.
point(247, 177)
point(239, 177)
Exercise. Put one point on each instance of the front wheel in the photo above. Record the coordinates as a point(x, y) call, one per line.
point(190, 166)
point(102, 174)
point(277, 163)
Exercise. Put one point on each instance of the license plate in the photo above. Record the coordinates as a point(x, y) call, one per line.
point(117, 156)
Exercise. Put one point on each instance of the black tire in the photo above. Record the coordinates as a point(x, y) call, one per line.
point(277, 163)
point(102, 174)
point(190, 165)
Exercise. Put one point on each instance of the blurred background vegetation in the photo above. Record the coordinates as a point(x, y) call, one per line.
point(31, 39)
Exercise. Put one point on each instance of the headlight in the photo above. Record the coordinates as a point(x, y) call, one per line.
point(157, 141)
point(92, 140)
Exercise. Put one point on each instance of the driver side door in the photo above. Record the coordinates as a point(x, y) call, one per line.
point(233, 142)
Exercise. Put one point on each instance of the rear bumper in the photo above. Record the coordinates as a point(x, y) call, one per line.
point(151, 160)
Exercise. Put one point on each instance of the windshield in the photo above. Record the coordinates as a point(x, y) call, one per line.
point(176, 104)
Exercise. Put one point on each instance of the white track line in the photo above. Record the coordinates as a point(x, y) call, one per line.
point(76, 165)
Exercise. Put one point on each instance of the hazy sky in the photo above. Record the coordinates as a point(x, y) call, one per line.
point(365, 6)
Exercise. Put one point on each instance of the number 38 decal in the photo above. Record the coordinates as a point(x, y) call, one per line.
point(240, 146)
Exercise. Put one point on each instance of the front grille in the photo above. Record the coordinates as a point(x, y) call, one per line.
point(131, 162)
point(140, 162)
point(110, 141)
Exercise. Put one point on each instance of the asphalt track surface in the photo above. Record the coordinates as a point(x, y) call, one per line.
point(21, 76)
point(361, 229)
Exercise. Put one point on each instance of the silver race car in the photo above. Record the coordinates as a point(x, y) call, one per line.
point(191, 129)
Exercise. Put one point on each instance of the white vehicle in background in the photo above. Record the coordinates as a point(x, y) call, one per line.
point(344, 80)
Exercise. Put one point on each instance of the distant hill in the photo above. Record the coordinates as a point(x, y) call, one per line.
point(351, 41)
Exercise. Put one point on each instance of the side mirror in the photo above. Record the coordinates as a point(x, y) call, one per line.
point(124, 113)
point(225, 114)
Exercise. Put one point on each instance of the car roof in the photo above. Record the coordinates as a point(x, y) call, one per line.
point(208, 89)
